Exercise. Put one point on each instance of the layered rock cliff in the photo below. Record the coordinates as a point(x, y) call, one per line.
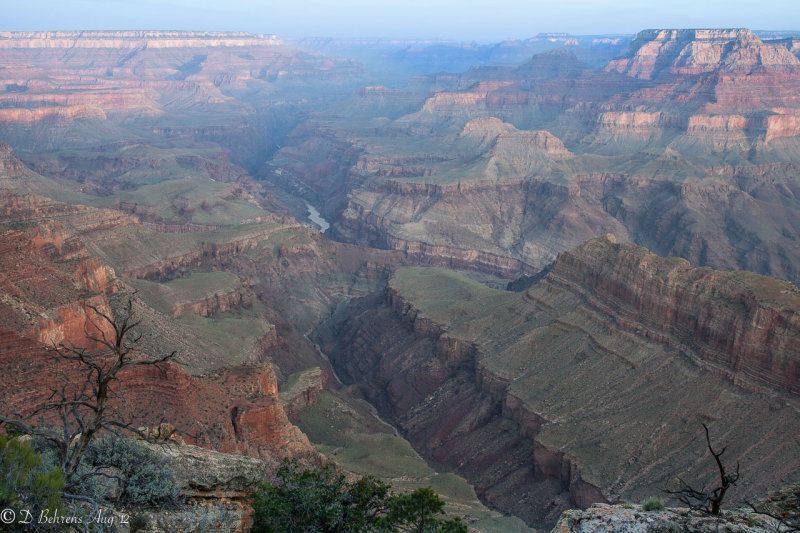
point(48, 281)
point(659, 52)
point(217, 487)
point(735, 217)
point(743, 325)
point(591, 385)
point(133, 39)
point(58, 78)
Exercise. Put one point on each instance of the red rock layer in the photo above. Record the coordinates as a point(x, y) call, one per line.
point(740, 324)
point(217, 303)
point(236, 410)
point(50, 288)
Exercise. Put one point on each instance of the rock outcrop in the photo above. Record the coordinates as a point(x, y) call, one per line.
point(52, 291)
point(301, 392)
point(202, 473)
point(745, 326)
point(49, 282)
point(601, 518)
point(217, 487)
point(720, 220)
point(211, 305)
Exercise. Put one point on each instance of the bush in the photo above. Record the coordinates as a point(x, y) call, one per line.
point(304, 500)
point(653, 503)
point(144, 479)
point(27, 481)
point(417, 510)
point(139, 521)
point(317, 500)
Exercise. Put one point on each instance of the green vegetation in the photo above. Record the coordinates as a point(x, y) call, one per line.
point(139, 521)
point(27, 479)
point(653, 503)
point(304, 500)
point(346, 434)
point(32, 481)
point(143, 479)
point(783, 506)
point(449, 297)
point(220, 341)
point(187, 199)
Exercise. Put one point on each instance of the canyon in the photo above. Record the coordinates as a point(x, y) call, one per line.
point(584, 374)
point(523, 274)
point(531, 161)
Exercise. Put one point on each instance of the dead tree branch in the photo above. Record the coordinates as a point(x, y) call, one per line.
point(89, 405)
point(707, 500)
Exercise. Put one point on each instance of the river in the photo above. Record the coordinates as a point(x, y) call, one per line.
point(316, 218)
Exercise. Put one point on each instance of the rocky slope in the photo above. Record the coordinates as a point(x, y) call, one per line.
point(743, 325)
point(51, 290)
point(243, 295)
point(591, 385)
point(166, 126)
point(231, 301)
point(216, 486)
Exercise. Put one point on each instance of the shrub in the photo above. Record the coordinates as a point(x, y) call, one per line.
point(653, 503)
point(139, 521)
point(304, 500)
point(417, 510)
point(27, 481)
point(316, 500)
point(143, 478)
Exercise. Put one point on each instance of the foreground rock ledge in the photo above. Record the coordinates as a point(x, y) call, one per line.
point(603, 518)
point(217, 485)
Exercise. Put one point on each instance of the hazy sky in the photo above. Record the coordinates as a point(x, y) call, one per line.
point(466, 20)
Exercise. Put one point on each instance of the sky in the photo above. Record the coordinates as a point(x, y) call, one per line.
point(461, 20)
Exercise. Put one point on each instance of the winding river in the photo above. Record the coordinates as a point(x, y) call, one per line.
point(316, 218)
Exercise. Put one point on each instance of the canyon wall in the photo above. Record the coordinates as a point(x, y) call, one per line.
point(699, 51)
point(590, 386)
point(426, 384)
point(740, 324)
point(61, 78)
point(741, 217)
point(132, 39)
